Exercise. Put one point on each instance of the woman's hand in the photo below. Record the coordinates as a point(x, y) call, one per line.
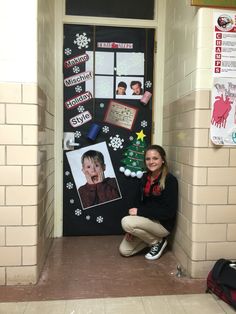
point(133, 211)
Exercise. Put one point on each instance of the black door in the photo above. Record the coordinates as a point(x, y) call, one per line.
point(108, 83)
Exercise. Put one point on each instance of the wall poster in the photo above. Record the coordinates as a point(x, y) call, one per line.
point(108, 87)
point(223, 101)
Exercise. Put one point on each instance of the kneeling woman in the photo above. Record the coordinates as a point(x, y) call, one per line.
point(153, 217)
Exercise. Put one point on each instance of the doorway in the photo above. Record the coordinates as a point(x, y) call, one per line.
point(108, 89)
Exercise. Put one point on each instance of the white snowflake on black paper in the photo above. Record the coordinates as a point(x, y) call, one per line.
point(131, 138)
point(78, 212)
point(76, 69)
point(144, 123)
point(80, 109)
point(87, 217)
point(82, 41)
point(72, 201)
point(99, 219)
point(78, 89)
point(69, 185)
point(67, 173)
point(68, 51)
point(116, 142)
point(105, 129)
point(101, 105)
point(148, 84)
point(77, 134)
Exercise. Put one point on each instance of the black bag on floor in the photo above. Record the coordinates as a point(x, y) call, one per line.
point(221, 281)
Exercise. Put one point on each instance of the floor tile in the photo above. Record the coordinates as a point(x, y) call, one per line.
point(13, 308)
point(124, 306)
point(93, 306)
point(45, 307)
point(163, 305)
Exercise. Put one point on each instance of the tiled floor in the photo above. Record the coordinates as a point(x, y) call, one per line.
point(172, 304)
point(87, 275)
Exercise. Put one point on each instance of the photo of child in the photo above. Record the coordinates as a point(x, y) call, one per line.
point(96, 183)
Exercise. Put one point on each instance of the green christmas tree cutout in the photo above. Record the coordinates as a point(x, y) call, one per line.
point(134, 157)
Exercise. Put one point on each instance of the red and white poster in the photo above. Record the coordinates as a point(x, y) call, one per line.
point(224, 44)
point(223, 112)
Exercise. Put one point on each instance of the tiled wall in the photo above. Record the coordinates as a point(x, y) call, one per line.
point(27, 159)
point(207, 204)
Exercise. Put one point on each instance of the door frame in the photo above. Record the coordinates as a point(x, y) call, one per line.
point(158, 23)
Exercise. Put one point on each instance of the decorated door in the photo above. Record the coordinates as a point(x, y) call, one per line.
point(108, 93)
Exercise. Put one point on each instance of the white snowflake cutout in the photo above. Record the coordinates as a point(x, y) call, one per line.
point(72, 201)
point(116, 142)
point(105, 129)
point(78, 89)
point(131, 138)
point(76, 69)
point(78, 212)
point(69, 185)
point(80, 109)
point(148, 84)
point(143, 123)
point(101, 105)
point(87, 217)
point(68, 51)
point(77, 134)
point(99, 219)
point(82, 41)
point(67, 173)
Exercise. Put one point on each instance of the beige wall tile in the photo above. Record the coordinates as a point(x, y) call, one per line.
point(194, 175)
point(30, 134)
point(199, 213)
point(23, 275)
point(29, 255)
point(221, 213)
point(210, 157)
point(202, 99)
point(22, 155)
point(2, 236)
point(2, 195)
point(201, 137)
point(30, 175)
point(30, 215)
point(232, 157)
point(183, 155)
point(10, 215)
point(30, 93)
point(2, 155)
point(10, 92)
point(208, 195)
point(2, 113)
point(221, 250)
point(202, 118)
point(208, 232)
point(231, 232)
point(10, 256)
point(199, 269)
point(10, 134)
point(2, 275)
point(232, 195)
point(26, 235)
point(198, 251)
point(22, 114)
point(21, 195)
point(10, 175)
point(221, 176)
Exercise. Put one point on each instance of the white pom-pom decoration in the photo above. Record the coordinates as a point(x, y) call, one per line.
point(127, 172)
point(122, 169)
point(133, 174)
point(139, 174)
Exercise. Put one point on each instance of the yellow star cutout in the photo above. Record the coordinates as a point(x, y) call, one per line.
point(141, 135)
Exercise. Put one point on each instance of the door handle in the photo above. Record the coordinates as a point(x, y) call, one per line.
point(69, 141)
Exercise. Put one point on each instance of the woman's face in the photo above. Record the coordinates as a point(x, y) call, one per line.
point(153, 161)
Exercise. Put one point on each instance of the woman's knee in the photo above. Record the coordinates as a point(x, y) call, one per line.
point(126, 223)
